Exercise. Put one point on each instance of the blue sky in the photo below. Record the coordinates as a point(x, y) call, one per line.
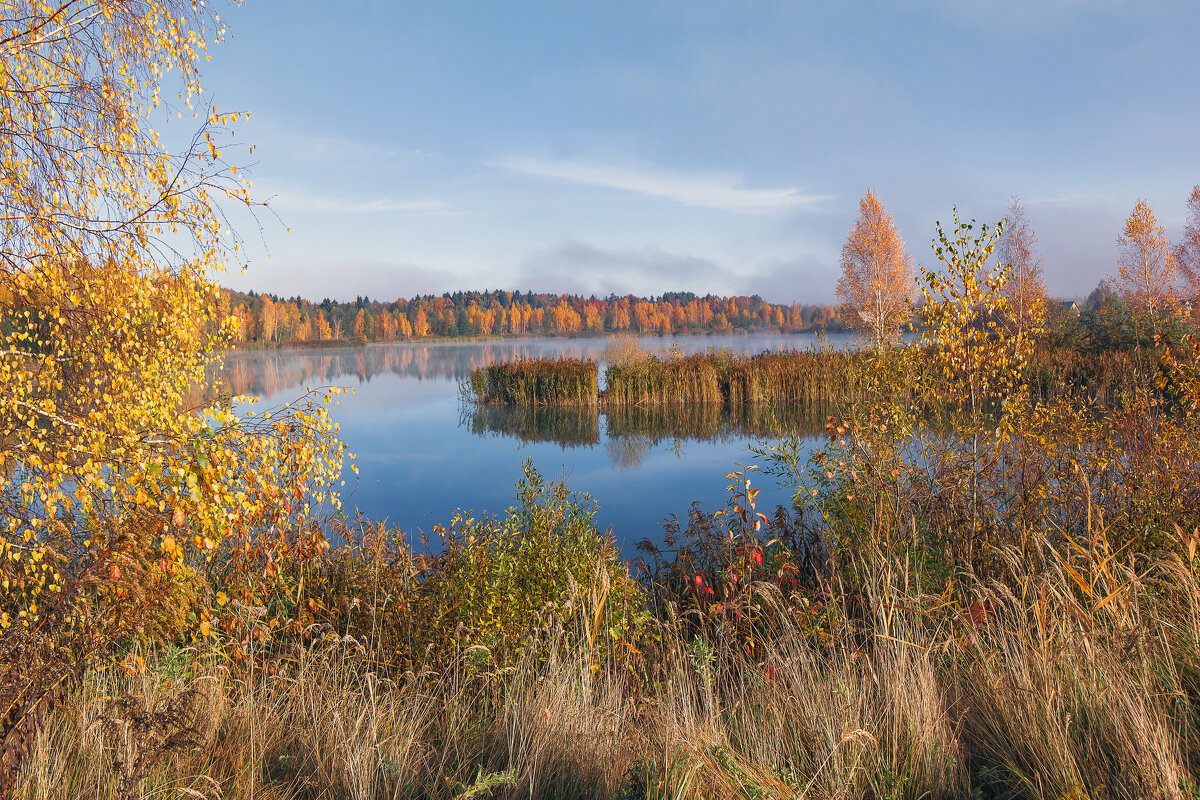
point(648, 146)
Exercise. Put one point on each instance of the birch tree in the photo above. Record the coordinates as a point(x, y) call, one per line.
point(877, 274)
point(1187, 253)
point(1146, 266)
point(1025, 290)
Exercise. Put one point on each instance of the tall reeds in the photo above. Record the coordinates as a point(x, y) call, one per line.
point(1101, 376)
point(716, 378)
point(537, 382)
point(789, 378)
point(809, 377)
point(666, 382)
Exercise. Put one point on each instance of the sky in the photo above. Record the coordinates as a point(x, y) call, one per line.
point(648, 146)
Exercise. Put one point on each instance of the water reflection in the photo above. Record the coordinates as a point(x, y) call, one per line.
point(568, 427)
point(266, 373)
point(421, 453)
point(629, 434)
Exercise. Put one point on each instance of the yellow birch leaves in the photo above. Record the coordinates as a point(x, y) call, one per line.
point(976, 354)
point(116, 487)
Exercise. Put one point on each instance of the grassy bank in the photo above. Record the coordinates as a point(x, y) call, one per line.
point(1082, 684)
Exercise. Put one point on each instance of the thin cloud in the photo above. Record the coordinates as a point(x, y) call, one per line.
point(332, 204)
point(717, 190)
point(343, 279)
point(585, 268)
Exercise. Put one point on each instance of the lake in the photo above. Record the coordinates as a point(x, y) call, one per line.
point(422, 452)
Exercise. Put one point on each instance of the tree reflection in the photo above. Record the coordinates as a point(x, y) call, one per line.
point(629, 434)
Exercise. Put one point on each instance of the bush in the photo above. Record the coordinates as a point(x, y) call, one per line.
point(494, 583)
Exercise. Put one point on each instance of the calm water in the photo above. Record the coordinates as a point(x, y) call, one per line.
point(422, 453)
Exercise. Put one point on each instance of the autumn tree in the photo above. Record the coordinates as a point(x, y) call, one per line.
point(976, 355)
point(360, 325)
point(1025, 290)
point(1187, 253)
point(1146, 269)
point(118, 498)
point(877, 274)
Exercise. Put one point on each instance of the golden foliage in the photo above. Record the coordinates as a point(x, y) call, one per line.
point(976, 361)
point(1146, 267)
point(116, 497)
point(876, 274)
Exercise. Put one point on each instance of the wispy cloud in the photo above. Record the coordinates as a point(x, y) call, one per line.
point(334, 204)
point(345, 278)
point(718, 190)
point(586, 268)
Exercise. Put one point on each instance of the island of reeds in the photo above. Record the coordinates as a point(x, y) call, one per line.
point(812, 378)
point(635, 378)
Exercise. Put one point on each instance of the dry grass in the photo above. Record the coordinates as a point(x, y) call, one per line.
point(635, 378)
point(537, 382)
point(334, 728)
point(1046, 693)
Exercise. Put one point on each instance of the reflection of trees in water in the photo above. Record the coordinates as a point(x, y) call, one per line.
point(627, 452)
point(269, 372)
point(631, 433)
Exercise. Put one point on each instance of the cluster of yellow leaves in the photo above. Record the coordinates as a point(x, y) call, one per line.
point(976, 359)
point(108, 320)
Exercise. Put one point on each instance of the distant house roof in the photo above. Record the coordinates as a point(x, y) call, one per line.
point(1069, 306)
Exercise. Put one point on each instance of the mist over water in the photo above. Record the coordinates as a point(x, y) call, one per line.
point(423, 453)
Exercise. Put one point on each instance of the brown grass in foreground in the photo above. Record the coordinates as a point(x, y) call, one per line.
point(875, 691)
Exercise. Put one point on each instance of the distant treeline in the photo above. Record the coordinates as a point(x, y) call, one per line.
point(270, 319)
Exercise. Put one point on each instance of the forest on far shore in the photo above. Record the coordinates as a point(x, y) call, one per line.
point(269, 319)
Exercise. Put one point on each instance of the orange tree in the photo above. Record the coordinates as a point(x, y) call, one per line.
point(876, 274)
point(126, 507)
point(1146, 268)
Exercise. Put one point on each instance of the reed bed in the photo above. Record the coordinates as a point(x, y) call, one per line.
point(710, 421)
point(664, 382)
point(1104, 377)
point(720, 377)
point(808, 377)
point(819, 378)
point(537, 382)
point(714, 378)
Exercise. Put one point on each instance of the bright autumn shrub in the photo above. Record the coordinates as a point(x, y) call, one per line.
point(491, 588)
point(732, 576)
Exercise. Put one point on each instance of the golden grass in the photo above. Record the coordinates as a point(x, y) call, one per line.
point(635, 378)
point(1048, 693)
point(537, 382)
